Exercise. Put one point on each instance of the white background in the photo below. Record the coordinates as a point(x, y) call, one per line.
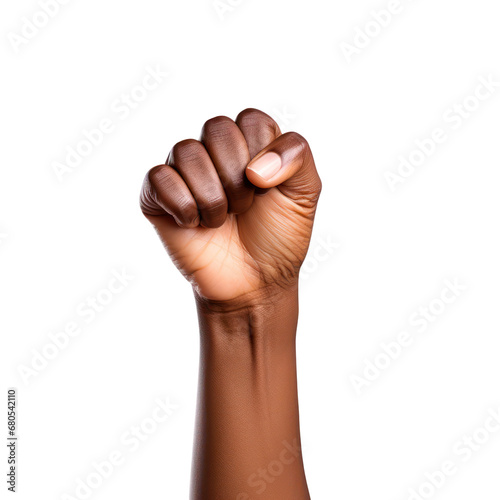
point(391, 253)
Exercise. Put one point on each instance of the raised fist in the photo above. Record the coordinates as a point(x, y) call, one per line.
point(235, 209)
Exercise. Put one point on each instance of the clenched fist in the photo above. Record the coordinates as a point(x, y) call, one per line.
point(235, 209)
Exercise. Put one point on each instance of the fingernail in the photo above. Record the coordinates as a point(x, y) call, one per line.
point(267, 166)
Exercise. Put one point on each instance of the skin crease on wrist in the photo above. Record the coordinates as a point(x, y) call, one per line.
point(235, 212)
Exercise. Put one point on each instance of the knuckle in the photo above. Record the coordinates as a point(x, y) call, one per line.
point(254, 118)
point(188, 149)
point(219, 126)
point(157, 175)
point(297, 141)
point(151, 186)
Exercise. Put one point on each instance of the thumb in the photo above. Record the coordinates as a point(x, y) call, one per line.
point(288, 164)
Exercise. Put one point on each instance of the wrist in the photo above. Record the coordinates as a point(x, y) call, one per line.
point(269, 312)
point(269, 299)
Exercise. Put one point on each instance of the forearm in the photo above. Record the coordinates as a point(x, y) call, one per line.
point(247, 442)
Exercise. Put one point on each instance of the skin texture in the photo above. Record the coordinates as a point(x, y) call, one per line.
point(235, 212)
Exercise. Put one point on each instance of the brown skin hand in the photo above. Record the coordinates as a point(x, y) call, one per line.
point(235, 212)
point(224, 237)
